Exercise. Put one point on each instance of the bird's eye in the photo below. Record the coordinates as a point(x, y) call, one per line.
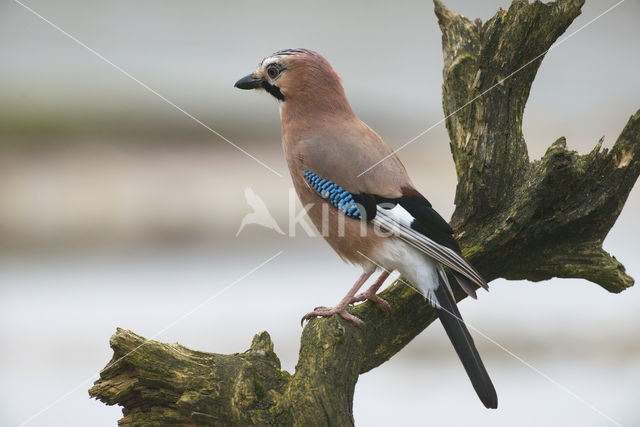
point(273, 72)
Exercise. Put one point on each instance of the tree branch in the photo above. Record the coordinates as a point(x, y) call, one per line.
point(514, 219)
point(542, 219)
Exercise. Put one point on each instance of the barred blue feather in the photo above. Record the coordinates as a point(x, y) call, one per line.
point(336, 195)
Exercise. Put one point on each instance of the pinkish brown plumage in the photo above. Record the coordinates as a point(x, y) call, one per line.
point(336, 161)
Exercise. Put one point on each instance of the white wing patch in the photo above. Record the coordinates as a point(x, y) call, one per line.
point(400, 215)
point(398, 222)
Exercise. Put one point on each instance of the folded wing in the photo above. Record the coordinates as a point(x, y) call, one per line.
point(400, 225)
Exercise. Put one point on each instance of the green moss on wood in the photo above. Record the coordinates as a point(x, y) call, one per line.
point(514, 218)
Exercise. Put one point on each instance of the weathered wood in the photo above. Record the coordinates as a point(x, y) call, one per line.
point(171, 384)
point(514, 218)
point(541, 219)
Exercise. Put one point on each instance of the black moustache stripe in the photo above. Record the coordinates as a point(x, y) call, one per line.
point(273, 90)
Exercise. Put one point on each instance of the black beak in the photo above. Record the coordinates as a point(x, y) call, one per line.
point(249, 82)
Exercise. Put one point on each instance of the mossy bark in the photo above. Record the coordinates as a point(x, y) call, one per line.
point(514, 219)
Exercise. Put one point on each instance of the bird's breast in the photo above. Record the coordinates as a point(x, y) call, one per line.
point(353, 239)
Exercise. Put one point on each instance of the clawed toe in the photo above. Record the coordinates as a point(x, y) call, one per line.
point(358, 298)
point(317, 312)
point(326, 312)
point(353, 319)
point(381, 302)
point(371, 297)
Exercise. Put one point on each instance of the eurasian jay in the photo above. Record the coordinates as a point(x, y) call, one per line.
point(371, 216)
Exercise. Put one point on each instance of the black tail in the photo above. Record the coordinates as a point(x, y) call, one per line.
point(464, 346)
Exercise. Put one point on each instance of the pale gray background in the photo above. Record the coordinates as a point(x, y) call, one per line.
point(117, 210)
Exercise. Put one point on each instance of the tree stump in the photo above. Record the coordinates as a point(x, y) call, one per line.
point(514, 219)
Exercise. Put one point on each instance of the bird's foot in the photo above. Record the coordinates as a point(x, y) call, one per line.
point(373, 297)
point(330, 311)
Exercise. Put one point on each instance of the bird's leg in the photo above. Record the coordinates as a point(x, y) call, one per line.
point(370, 293)
point(341, 308)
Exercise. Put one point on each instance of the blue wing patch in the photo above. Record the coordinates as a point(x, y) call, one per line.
point(336, 195)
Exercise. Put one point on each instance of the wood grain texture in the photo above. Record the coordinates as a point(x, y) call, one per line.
point(514, 219)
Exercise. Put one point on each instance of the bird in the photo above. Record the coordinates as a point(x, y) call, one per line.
point(260, 215)
point(360, 196)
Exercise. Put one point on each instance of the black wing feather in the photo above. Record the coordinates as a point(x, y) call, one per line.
point(429, 222)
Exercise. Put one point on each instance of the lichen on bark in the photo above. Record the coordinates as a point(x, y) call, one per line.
point(514, 218)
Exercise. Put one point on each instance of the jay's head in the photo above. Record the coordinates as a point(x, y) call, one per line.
point(295, 74)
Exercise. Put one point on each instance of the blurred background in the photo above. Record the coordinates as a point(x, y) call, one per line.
point(117, 209)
